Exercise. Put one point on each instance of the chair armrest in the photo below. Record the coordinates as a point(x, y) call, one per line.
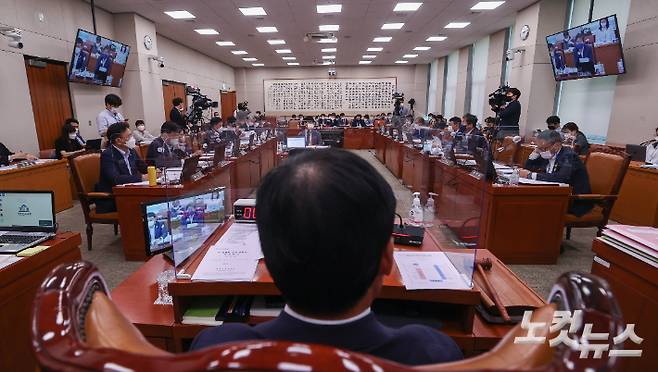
point(593, 197)
point(98, 195)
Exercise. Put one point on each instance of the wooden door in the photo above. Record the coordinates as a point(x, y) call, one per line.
point(51, 100)
point(171, 89)
point(229, 103)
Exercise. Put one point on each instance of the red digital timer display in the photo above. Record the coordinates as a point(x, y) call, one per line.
point(244, 213)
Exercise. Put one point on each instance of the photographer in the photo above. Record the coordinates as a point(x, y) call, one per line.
point(177, 114)
point(509, 114)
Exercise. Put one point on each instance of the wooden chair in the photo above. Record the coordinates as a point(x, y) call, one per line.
point(606, 172)
point(86, 172)
point(76, 327)
point(509, 152)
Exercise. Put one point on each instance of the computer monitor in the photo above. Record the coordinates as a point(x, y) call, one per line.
point(182, 224)
point(296, 142)
point(27, 211)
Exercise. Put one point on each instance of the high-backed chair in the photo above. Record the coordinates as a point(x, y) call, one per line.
point(509, 151)
point(76, 327)
point(86, 172)
point(606, 173)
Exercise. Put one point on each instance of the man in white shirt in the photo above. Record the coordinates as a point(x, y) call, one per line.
point(110, 115)
point(652, 150)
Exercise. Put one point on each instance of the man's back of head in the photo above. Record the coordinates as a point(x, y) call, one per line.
point(325, 219)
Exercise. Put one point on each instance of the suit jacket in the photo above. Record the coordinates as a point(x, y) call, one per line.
point(4, 154)
point(315, 137)
point(411, 344)
point(357, 122)
point(161, 155)
point(568, 168)
point(177, 117)
point(114, 171)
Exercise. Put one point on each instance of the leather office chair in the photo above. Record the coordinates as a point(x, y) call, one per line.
point(47, 154)
point(86, 171)
point(509, 153)
point(76, 327)
point(606, 173)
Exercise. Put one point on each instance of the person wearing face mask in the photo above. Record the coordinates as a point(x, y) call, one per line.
point(576, 138)
point(584, 56)
point(67, 144)
point(164, 151)
point(652, 149)
point(76, 124)
point(509, 114)
point(312, 135)
point(109, 115)
point(358, 121)
point(333, 121)
point(120, 164)
point(141, 134)
point(158, 231)
point(552, 162)
point(177, 113)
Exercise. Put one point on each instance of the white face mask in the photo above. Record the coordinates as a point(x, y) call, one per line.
point(113, 110)
point(546, 154)
point(311, 126)
point(173, 142)
point(73, 135)
point(131, 142)
point(151, 223)
point(141, 128)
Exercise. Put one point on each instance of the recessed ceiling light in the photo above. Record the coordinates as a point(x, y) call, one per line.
point(328, 50)
point(276, 42)
point(225, 43)
point(283, 51)
point(392, 26)
point(267, 29)
point(457, 24)
point(368, 56)
point(257, 64)
point(422, 48)
point(207, 31)
point(253, 11)
point(382, 39)
point(293, 63)
point(289, 58)
point(329, 27)
point(365, 62)
point(329, 57)
point(375, 49)
point(407, 7)
point(410, 56)
point(180, 14)
point(328, 41)
point(329, 8)
point(401, 61)
point(436, 38)
point(487, 5)
point(250, 59)
point(239, 52)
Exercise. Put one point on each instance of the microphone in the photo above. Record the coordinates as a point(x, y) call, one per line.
point(515, 140)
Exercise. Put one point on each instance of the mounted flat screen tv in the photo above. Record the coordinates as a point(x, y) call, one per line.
point(98, 60)
point(590, 50)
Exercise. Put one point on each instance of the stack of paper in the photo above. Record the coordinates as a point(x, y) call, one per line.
point(640, 242)
point(233, 258)
point(6, 260)
point(203, 311)
point(428, 270)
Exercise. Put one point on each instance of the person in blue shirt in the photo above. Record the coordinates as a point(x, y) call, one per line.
point(329, 260)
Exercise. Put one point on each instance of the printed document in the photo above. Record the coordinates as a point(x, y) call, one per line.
point(428, 270)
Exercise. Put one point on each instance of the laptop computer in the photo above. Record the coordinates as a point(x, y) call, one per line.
point(297, 142)
point(93, 144)
point(189, 168)
point(27, 218)
point(637, 152)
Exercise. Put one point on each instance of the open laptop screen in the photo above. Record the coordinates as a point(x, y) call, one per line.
point(27, 211)
point(296, 142)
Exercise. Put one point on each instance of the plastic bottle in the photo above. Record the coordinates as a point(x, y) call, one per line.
point(430, 210)
point(416, 211)
point(514, 177)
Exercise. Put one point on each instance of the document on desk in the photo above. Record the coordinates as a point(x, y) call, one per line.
point(428, 270)
point(530, 181)
point(8, 260)
point(233, 258)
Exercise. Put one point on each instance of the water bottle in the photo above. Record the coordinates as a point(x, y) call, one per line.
point(416, 211)
point(514, 177)
point(429, 211)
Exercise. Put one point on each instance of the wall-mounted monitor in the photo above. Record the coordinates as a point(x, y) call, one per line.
point(98, 60)
point(590, 50)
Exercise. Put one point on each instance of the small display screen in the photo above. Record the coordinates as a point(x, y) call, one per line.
point(98, 60)
point(244, 213)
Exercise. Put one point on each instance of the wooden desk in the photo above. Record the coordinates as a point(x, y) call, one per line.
point(50, 175)
point(635, 284)
point(416, 170)
point(380, 147)
point(358, 138)
point(638, 197)
point(393, 156)
point(18, 286)
point(240, 177)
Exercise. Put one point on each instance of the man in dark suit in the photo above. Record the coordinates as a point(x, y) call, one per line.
point(472, 138)
point(329, 260)
point(312, 135)
point(358, 121)
point(584, 55)
point(176, 114)
point(120, 164)
point(509, 114)
point(164, 151)
point(553, 162)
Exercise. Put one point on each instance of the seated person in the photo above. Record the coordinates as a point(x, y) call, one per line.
point(164, 151)
point(158, 230)
point(332, 121)
point(577, 138)
point(76, 124)
point(358, 121)
point(67, 143)
point(214, 133)
point(552, 162)
point(329, 279)
point(367, 121)
point(455, 125)
point(342, 120)
point(141, 134)
point(7, 156)
point(120, 164)
point(312, 135)
point(652, 150)
point(472, 135)
point(489, 128)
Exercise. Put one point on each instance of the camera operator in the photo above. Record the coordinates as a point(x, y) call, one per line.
point(177, 113)
point(509, 114)
point(242, 113)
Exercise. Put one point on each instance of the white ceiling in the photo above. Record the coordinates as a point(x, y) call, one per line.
point(360, 21)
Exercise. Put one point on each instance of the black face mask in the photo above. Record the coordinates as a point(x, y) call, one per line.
point(509, 98)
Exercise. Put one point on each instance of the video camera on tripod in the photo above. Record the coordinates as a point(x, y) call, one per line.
point(497, 98)
point(200, 103)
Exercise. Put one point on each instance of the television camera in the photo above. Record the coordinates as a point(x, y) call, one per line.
point(497, 98)
point(200, 103)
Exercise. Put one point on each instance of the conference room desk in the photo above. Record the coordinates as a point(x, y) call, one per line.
point(135, 296)
point(390, 153)
point(638, 197)
point(358, 138)
point(240, 176)
point(18, 286)
point(47, 175)
point(635, 285)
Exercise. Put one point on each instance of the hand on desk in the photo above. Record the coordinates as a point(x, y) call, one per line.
point(524, 173)
point(22, 156)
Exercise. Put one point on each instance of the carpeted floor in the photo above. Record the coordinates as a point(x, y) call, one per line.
point(107, 253)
